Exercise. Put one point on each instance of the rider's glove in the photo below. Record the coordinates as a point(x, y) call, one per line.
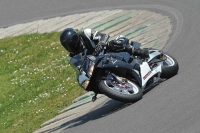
point(98, 48)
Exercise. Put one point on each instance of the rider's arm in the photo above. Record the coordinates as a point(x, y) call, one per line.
point(95, 37)
point(103, 38)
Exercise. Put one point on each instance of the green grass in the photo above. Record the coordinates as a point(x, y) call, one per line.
point(36, 81)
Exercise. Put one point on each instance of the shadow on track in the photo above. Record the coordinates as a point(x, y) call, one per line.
point(105, 109)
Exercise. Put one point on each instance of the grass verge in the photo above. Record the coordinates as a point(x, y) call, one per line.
point(36, 81)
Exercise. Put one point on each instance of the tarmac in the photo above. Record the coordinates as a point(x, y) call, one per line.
point(149, 28)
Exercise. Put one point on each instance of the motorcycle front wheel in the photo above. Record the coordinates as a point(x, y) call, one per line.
point(126, 91)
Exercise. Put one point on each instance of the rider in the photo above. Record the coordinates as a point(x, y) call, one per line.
point(95, 41)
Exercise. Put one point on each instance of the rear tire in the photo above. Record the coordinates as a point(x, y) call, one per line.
point(170, 67)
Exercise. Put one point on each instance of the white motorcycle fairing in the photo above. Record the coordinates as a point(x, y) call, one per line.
point(147, 73)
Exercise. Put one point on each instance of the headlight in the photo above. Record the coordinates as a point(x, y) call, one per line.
point(91, 69)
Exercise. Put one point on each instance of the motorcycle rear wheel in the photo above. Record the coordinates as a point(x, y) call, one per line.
point(119, 92)
point(170, 66)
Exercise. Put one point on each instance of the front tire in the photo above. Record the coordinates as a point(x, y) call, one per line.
point(113, 90)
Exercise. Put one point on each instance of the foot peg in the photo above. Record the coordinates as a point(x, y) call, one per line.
point(94, 98)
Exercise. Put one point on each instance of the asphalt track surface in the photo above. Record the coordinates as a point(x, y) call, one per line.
point(171, 107)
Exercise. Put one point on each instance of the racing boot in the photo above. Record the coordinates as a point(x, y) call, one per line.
point(144, 53)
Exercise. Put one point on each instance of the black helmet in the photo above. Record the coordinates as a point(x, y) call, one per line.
point(70, 40)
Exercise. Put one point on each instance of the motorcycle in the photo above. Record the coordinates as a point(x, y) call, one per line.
point(121, 76)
